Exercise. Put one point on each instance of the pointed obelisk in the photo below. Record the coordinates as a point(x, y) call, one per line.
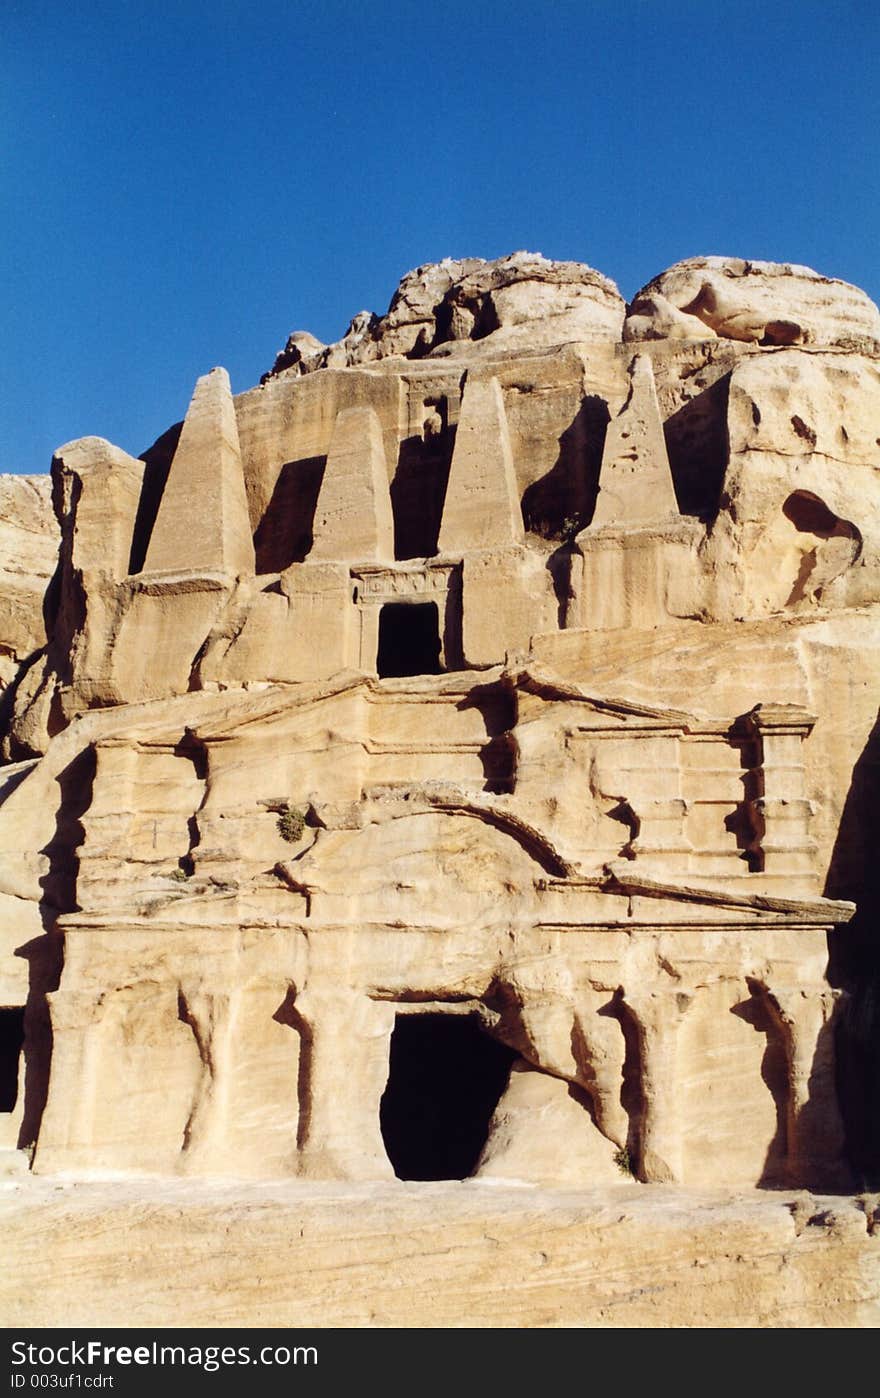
point(353, 519)
point(203, 524)
point(635, 483)
point(482, 509)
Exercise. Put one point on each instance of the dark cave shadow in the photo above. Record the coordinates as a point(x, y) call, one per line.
point(584, 1093)
point(75, 783)
point(418, 491)
point(157, 463)
point(289, 1015)
point(811, 1125)
point(45, 958)
point(698, 447)
point(854, 870)
point(563, 501)
point(756, 1012)
point(52, 599)
point(854, 963)
point(811, 1155)
point(632, 1098)
point(17, 751)
point(560, 565)
point(745, 822)
point(446, 1076)
point(284, 534)
point(45, 954)
point(496, 704)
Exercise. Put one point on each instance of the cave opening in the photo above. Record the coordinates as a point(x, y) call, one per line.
point(445, 1078)
point(409, 640)
point(11, 1041)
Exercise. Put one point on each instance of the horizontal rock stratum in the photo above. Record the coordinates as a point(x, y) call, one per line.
point(457, 756)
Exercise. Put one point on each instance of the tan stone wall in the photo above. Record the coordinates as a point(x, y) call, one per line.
point(598, 808)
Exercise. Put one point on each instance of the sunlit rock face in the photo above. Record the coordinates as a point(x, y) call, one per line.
point(470, 306)
point(457, 755)
point(773, 303)
point(28, 550)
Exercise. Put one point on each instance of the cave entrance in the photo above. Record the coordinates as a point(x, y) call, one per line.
point(409, 640)
point(11, 1040)
point(444, 1081)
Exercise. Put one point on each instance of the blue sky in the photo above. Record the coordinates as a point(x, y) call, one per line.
point(185, 182)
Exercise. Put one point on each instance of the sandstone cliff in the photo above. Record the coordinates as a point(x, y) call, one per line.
point(28, 554)
point(523, 302)
point(479, 712)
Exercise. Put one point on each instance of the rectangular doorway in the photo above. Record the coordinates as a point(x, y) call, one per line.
point(409, 639)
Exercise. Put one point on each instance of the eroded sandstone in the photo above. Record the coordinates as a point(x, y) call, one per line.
point(489, 758)
point(28, 551)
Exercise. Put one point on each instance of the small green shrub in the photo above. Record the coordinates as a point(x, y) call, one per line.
point(623, 1161)
point(179, 875)
point(291, 824)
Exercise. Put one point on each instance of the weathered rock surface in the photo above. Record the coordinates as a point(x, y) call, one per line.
point(457, 756)
point(771, 303)
point(28, 554)
point(435, 1256)
point(522, 302)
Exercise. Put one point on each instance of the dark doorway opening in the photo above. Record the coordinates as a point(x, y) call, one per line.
point(11, 1040)
point(445, 1078)
point(409, 639)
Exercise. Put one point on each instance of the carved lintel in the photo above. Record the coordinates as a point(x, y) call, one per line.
point(779, 720)
point(399, 584)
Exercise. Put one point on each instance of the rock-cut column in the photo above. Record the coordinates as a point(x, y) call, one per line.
point(203, 523)
point(353, 518)
point(482, 508)
point(348, 1037)
point(657, 1017)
